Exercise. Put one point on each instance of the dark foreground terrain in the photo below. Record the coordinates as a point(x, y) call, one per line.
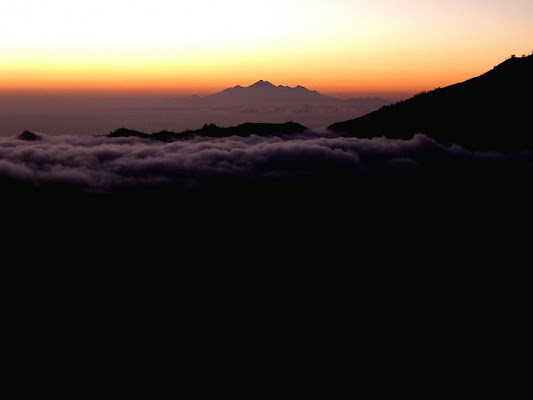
point(404, 283)
point(390, 255)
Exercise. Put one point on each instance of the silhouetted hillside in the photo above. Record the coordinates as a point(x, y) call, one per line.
point(214, 131)
point(488, 112)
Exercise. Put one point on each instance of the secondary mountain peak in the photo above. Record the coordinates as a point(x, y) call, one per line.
point(266, 84)
point(262, 83)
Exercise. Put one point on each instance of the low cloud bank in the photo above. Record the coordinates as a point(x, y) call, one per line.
point(106, 163)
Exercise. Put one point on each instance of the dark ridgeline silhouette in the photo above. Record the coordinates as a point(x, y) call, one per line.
point(488, 112)
point(214, 131)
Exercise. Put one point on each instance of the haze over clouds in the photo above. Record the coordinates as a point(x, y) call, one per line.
point(100, 114)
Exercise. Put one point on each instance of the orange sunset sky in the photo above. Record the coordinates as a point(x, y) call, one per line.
point(338, 47)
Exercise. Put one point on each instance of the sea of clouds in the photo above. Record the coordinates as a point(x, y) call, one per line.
point(103, 163)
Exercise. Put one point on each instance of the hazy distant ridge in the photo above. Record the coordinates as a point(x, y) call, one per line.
point(264, 91)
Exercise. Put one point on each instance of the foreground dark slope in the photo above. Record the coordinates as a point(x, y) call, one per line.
point(488, 112)
point(154, 290)
point(301, 269)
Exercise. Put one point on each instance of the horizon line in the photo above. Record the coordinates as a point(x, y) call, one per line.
point(188, 92)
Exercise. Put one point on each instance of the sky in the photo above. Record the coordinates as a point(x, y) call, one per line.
point(337, 47)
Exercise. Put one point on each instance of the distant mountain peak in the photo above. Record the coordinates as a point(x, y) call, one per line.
point(262, 92)
point(265, 90)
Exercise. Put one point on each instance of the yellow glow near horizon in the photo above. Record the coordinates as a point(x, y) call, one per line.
point(341, 46)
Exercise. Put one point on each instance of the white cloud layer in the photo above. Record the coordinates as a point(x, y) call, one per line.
point(104, 163)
